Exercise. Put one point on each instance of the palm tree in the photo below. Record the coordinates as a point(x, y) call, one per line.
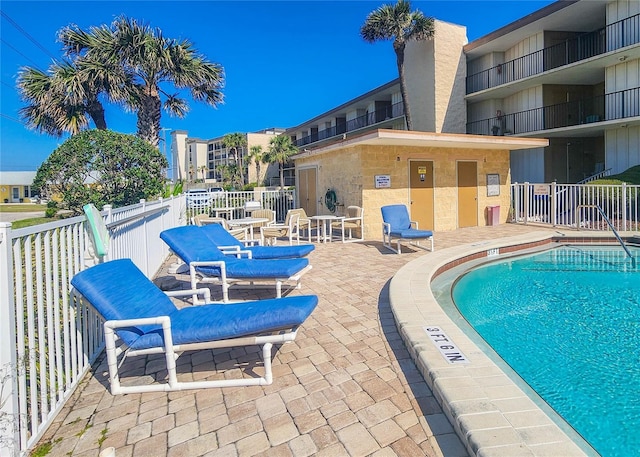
point(281, 148)
point(256, 154)
point(398, 23)
point(140, 62)
point(235, 141)
point(203, 170)
point(60, 100)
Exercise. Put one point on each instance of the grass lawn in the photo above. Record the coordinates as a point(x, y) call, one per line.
point(21, 207)
point(34, 221)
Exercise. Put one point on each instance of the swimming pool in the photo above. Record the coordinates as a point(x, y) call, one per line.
point(567, 320)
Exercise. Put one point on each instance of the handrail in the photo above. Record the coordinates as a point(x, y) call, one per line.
point(135, 217)
point(615, 232)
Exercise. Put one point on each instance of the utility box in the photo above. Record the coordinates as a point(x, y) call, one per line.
point(493, 215)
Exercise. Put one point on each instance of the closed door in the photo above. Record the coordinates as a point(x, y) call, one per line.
point(421, 193)
point(307, 190)
point(467, 194)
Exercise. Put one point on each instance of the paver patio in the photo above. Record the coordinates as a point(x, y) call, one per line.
point(345, 387)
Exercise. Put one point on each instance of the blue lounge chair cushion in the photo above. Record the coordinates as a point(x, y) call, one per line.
point(221, 237)
point(398, 217)
point(119, 290)
point(190, 245)
point(411, 233)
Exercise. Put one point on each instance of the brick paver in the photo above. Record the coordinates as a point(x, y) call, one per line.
point(346, 387)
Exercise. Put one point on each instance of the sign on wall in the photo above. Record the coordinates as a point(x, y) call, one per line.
point(382, 181)
point(493, 185)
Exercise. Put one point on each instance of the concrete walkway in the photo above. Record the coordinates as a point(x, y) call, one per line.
point(346, 387)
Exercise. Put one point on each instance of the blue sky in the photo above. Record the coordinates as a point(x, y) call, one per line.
point(285, 61)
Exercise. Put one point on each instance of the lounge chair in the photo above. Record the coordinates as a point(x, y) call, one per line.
point(353, 221)
point(229, 244)
point(146, 321)
point(209, 264)
point(397, 225)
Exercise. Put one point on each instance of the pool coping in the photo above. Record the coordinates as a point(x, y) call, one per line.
point(489, 412)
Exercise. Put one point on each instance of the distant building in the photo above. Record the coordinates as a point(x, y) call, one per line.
point(16, 186)
point(199, 160)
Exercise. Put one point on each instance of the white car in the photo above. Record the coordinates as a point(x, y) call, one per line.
point(197, 198)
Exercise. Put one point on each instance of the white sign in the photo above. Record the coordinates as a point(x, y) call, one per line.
point(383, 181)
point(540, 189)
point(493, 252)
point(447, 348)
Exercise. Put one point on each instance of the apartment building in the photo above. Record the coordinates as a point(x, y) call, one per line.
point(200, 160)
point(435, 73)
point(569, 72)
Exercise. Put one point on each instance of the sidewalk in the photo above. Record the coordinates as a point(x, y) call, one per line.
point(345, 387)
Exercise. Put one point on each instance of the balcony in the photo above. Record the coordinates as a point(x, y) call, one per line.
point(386, 114)
point(608, 107)
point(614, 36)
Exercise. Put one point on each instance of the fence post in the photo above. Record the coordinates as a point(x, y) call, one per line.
point(624, 207)
point(526, 202)
point(9, 412)
point(554, 204)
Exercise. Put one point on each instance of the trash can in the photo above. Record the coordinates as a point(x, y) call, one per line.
point(493, 215)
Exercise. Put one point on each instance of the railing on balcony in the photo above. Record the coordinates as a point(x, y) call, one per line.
point(608, 107)
point(614, 36)
point(572, 205)
point(375, 117)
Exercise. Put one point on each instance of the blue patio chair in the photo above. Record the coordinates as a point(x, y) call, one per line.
point(397, 225)
point(209, 264)
point(230, 244)
point(140, 319)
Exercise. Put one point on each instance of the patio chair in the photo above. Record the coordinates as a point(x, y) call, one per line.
point(353, 221)
point(229, 244)
point(397, 225)
point(209, 264)
point(304, 223)
point(289, 229)
point(204, 219)
point(268, 214)
point(140, 319)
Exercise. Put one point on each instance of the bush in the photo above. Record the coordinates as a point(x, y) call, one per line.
point(102, 167)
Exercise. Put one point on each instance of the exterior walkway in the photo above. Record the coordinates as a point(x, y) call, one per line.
point(346, 387)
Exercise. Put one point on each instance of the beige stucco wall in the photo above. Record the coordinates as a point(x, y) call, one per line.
point(351, 172)
point(435, 72)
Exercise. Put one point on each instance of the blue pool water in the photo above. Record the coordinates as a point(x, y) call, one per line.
point(567, 321)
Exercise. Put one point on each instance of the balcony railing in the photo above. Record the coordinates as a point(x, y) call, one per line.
point(608, 107)
point(375, 117)
point(614, 36)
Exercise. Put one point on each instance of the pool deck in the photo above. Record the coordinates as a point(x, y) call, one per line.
point(347, 386)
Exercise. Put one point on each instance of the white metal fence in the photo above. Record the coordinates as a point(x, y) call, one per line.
point(232, 204)
point(47, 344)
point(575, 205)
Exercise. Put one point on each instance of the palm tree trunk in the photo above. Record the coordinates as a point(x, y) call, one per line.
point(403, 83)
point(96, 112)
point(281, 175)
point(149, 118)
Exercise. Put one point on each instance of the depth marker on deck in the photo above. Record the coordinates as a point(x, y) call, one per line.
point(445, 345)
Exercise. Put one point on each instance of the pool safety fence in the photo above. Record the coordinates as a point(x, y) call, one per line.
point(576, 205)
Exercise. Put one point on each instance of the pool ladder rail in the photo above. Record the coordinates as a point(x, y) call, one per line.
point(615, 232)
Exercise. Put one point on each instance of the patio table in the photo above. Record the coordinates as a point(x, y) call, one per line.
point(249, 222)
point(323, 226)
